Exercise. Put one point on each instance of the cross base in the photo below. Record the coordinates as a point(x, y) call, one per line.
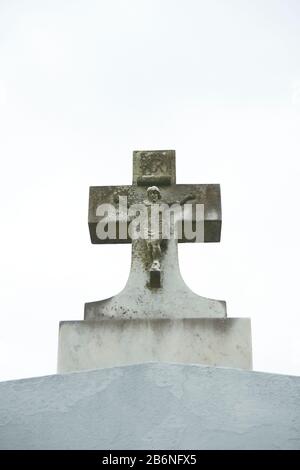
point(114, 342)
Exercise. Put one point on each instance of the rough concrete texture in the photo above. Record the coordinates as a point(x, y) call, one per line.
point(152, 406)
point(115, 342)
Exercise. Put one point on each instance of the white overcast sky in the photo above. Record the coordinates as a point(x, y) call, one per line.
point(84, 83)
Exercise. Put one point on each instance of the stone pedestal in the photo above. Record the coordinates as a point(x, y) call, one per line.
point(112, 342)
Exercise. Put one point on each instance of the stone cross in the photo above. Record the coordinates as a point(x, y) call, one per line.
point(156, 317)
point(155, 288)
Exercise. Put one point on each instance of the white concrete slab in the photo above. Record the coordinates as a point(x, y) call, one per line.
point(152, 406)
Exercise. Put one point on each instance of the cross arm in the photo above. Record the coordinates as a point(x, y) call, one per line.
point(107, 195)
point(206, 194)
point(192, 194)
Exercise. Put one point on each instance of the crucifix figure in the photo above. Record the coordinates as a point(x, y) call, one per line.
point(154, 236)
point(153, 241)
point(155, 288)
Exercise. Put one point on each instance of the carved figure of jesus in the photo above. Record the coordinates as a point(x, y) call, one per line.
point(154, 235)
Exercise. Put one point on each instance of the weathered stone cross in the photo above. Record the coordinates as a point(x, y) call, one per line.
point(156, 317)
point(155, 288)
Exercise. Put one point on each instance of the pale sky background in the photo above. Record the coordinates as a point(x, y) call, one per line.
point(83, 84)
